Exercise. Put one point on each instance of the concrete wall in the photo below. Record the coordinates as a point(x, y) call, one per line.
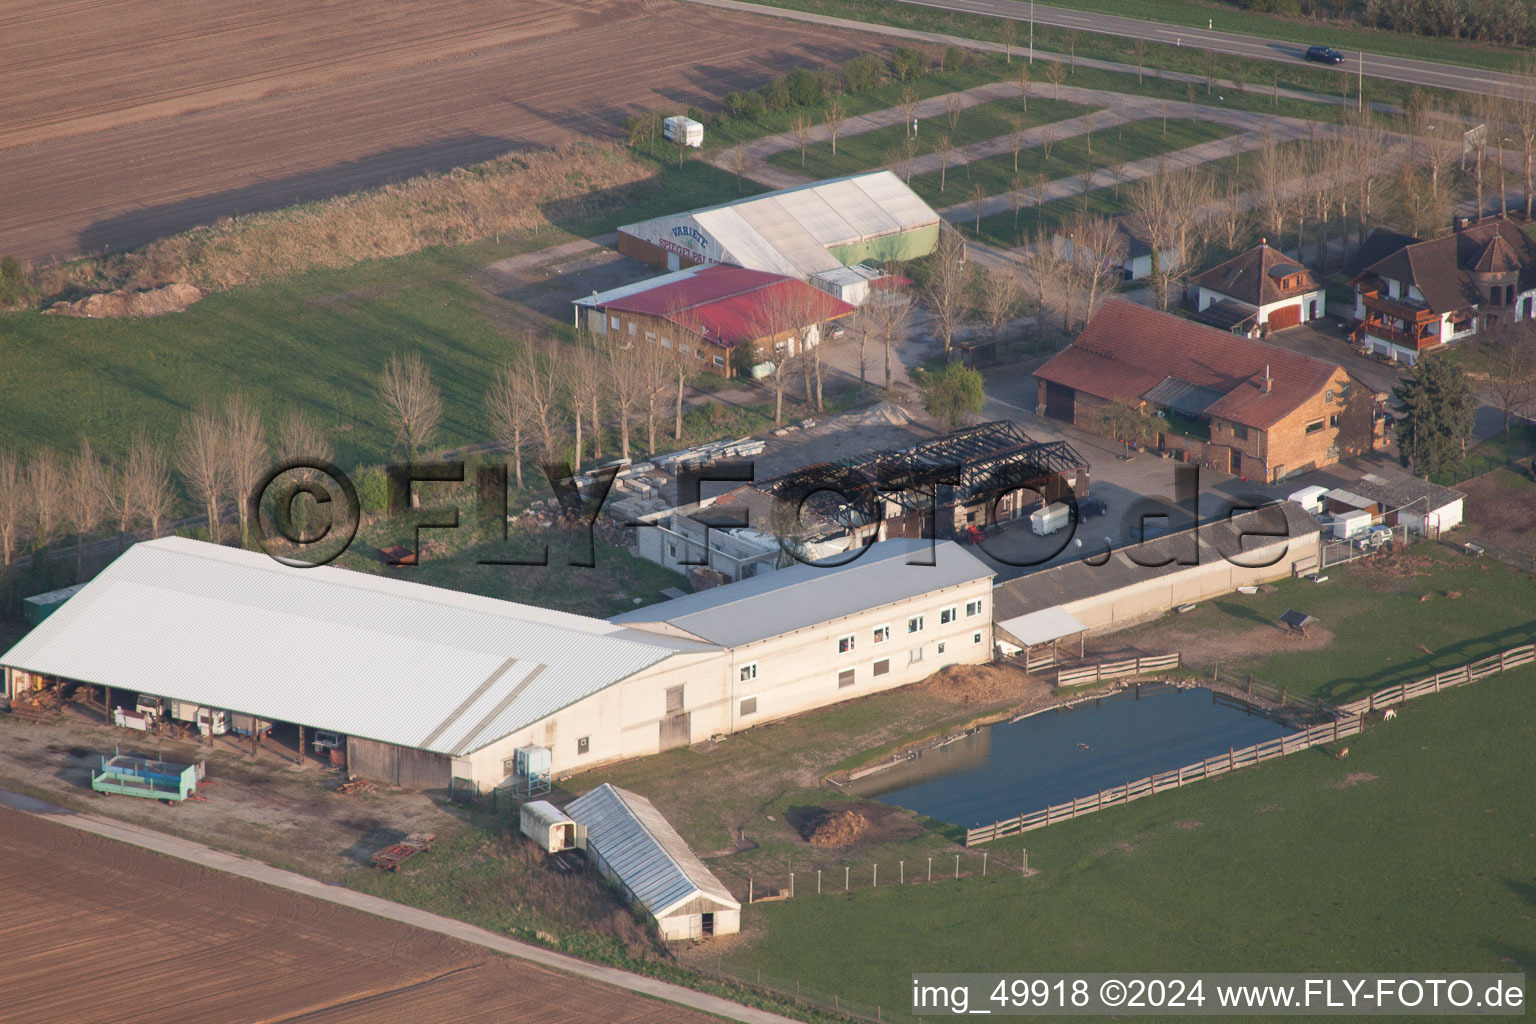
point(1127, 606)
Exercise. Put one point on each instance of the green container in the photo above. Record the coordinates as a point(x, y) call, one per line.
point(39, 606)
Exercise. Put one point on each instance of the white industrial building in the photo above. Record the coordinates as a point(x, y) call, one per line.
point(639, 850)
point(424, 686)
point(824, 232)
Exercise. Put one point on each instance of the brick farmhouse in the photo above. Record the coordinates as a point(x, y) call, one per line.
point(1270, 412)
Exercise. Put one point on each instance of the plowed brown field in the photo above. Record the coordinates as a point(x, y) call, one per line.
point(128, 119)
point(98, 931)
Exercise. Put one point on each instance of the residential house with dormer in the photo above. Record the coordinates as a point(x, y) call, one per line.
point(1419, 295)
point(1258, 291)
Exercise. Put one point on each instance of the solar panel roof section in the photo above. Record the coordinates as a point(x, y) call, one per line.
point(364, 655)
point(807, 595)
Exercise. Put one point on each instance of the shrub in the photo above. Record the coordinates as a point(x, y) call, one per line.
point(15, 283)
point(955, 58)
point(953, 394)
point(804, 89)
point(776, 94)
point(698, 115)
point(864, 72)
point(735, 103)
point(910, 64)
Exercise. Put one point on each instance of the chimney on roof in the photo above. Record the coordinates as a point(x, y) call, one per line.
point(1263, 242)
point(1268, 381)
point(1460, 222)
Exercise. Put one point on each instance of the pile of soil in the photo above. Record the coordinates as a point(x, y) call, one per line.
point(173, 298)
point(862, 822)
point(984, 684)
point(838, 828)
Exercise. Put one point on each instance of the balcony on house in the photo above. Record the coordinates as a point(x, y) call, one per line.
point(1400, 321)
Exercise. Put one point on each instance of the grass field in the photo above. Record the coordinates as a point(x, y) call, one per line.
point(1177, 12)
point(976, 124)
point(1068, 157)
point(316, 341)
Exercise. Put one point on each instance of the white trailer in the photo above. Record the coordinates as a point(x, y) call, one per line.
point(691, 131)
point(551, 827)
point(1050, 518)
point(214, 720)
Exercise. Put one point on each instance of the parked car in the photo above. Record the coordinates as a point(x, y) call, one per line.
point(1091, 508)
point(1324, 55)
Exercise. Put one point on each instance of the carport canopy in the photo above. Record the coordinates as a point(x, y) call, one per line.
point(1043, 627)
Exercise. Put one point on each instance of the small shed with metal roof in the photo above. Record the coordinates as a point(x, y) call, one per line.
point(636, 848)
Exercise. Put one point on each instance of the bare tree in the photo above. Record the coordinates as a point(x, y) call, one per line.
point(978, 200)
point(954, 103)
point(884, 319)
point(536, 375)
point(149, 476)
point(1047, 137)
point(654, 365)
point(1512, 367)
point(739, 162)
point(1042, 275)
point(621, 359)
point(1008, 31)
point(1269, 172)
point(1001, 293)
point(1055, 74)
point(1016, 141)
point(834, 117)
point(13, 504)
point(509, 417)
point(1018, 195)
point(299, 437)
point(1102, 245)
point(1023, 80)
point(86, 501)
point(1072, 49)
point(1139, 47)
point(907, 104)
point(1166, 206)
point(948, 295)
point(412, 403)
point(1087, 122)
point(244, 450)
point(1522, 110)
point(946, 152)
point(200, 460)
point(47, 497)
point(801, 127)
point(585, 380)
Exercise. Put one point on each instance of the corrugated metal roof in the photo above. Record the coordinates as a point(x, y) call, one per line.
point(645, 851)
point(363, 655)
point(1183, 397)
point(1041, 627)
point(807, 595)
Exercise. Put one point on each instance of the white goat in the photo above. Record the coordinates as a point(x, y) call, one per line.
point(1391, 713)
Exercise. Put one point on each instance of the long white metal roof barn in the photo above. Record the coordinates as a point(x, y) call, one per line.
point(647, 855)
point(372, 657)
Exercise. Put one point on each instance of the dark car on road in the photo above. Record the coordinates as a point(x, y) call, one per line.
point(1324, 55)
point(1090, 508)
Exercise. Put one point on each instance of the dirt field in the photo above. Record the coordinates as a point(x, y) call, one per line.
point(99, 931)
point(223, 108)
point(269, 809)
point(1501, 509)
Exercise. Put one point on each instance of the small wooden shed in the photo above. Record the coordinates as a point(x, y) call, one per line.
point(550, 827)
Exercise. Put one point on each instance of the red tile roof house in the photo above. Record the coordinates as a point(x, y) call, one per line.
point(711, 309)
point(1417, 296)
point(1260, 290)
point(1271, 412)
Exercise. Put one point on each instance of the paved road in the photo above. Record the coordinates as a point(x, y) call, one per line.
point(1398, 69)
point(218, 860)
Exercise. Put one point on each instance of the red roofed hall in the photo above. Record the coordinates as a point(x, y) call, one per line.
point(708, 310)
point(1270, 412)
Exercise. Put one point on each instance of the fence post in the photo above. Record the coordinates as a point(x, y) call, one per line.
point(902, 867)
point(983, 863)
point(1231, 760)
point(749, 890)
point(930, 869)
point(1025, 850)
point(791, 885)
point(818, 881)
point(875, 878)
point(957, 866)
point(846, 869)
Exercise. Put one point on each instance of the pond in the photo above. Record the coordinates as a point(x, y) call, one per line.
point(1020, 767)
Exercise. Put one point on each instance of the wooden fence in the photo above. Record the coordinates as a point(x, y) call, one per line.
point(1172, 779)
point(1350, 723)
point(1088, 674)
point(1513, 658)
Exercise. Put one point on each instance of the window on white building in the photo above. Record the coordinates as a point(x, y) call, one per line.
point(915, 624)
point(882, 634)
point(881, 667)
point(748, 672)
point(975, 638)
point(948, 615)
point(845, 678)
point(941, 648)
point(584, 745)
point(845, 644)
point(914, 656)
point(749, 706)
point(972, 608)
